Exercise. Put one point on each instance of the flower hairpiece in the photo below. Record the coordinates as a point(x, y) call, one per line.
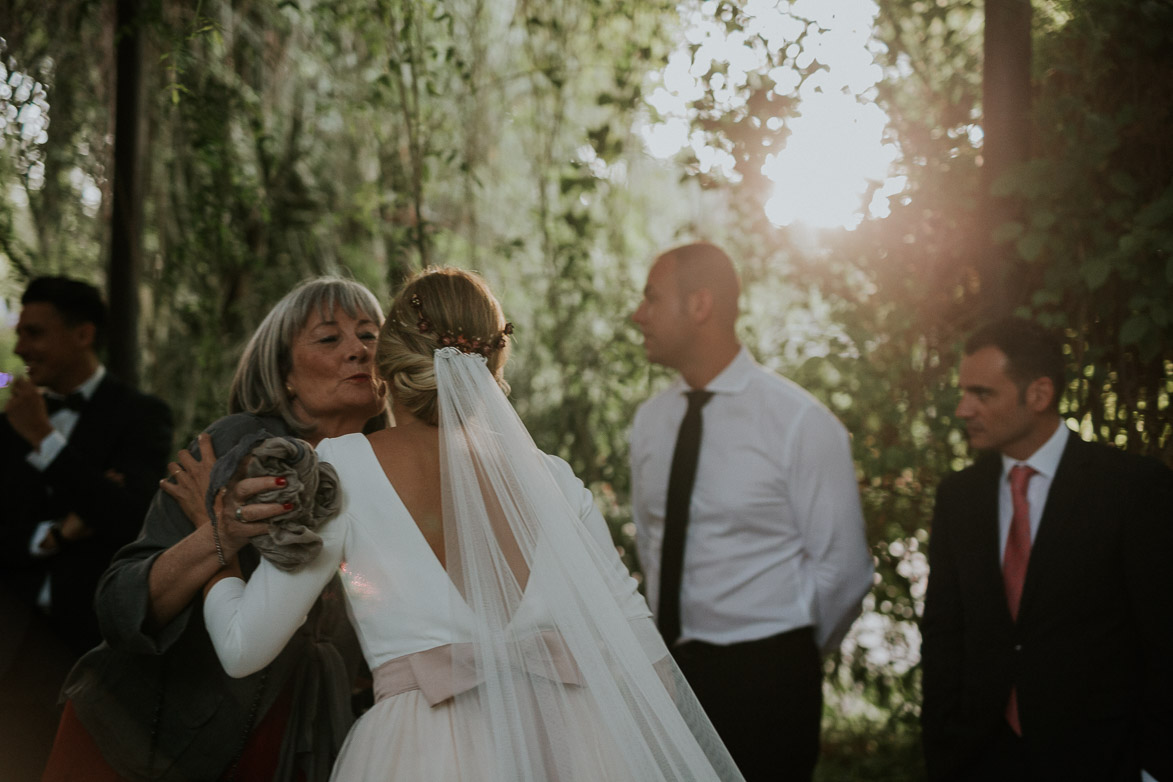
point(482, 347)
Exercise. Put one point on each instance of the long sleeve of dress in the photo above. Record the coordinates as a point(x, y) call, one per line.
point(249, 624)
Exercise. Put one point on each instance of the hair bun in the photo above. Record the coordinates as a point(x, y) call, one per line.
point(439, 307)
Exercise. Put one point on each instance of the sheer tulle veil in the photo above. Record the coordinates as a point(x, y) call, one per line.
point(568, 680)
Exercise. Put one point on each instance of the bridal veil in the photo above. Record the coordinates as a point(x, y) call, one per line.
point(566, 679)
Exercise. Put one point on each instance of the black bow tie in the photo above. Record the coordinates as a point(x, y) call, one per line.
point(73, 401)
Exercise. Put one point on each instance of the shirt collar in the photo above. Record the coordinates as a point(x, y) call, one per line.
point(90, 385)
point(730, 380)
point(1045, 460)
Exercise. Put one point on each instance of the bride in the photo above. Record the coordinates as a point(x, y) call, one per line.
point(506, 638)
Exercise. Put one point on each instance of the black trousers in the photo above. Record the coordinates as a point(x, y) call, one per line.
point(765, 698)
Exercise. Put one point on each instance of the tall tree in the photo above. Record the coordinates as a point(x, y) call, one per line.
point(125, 259)
point(1006, 125)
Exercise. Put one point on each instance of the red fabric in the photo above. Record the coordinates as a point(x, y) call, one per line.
point(1015, 560)
point(262, 752)
point(75, 757)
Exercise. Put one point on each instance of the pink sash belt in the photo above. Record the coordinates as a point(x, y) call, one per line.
point(444, 672)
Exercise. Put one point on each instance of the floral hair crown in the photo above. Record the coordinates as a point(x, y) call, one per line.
point(482, 347)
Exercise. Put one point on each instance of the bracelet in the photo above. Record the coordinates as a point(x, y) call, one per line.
point(219, 548)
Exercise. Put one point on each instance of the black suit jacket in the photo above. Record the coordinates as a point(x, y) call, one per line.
point(1091, 654)
point(119, 429)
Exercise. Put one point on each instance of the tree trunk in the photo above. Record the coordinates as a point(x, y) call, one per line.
point(1006, 124)
point(122, 277)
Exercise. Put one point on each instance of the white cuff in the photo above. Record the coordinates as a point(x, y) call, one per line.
point(44, 454)
point(39, 535)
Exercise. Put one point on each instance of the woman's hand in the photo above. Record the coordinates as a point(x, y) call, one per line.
point(238, 520)
point(189, 480)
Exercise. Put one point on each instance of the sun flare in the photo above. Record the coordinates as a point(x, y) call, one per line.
point(835, 153)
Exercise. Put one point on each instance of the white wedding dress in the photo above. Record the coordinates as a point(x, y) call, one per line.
point(402, 603)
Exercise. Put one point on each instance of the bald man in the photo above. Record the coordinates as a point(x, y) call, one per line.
point(748, 520)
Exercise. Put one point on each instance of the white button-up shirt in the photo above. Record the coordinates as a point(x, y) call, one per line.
point(775, 537)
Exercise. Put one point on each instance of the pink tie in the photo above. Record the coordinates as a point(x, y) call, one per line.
point(1015, 559)
point(1018, 542)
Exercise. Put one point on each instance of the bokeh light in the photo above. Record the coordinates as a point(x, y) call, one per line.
point(835, 155)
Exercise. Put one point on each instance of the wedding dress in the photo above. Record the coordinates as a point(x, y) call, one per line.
point(531, 657)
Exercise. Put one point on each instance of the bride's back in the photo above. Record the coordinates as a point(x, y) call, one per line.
point(409, 454)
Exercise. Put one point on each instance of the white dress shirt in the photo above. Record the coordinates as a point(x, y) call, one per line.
point(775, 538)
point(1044, 461)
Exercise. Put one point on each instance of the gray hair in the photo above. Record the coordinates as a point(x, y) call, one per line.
point(258, 387)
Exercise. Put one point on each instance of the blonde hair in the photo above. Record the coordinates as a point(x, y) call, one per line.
point(452, 303)
point(258, 386)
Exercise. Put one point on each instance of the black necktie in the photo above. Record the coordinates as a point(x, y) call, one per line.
point(680, 481)
point(73, 401)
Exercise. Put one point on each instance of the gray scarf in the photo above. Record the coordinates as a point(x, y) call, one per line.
point(310, 486)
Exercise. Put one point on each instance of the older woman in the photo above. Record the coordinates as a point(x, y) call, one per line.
point(153, 699)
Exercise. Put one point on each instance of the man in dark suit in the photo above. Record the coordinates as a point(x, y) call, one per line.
point(1048, 623)
point(81, 454)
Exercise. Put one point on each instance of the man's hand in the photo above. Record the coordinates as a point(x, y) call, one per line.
point(27, 412)
point(73, 528)
point(70, 528)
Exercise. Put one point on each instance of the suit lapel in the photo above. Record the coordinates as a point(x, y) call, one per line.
point(93, 424)
point(987, 557)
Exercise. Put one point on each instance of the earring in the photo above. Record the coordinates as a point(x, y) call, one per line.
point(289, 392)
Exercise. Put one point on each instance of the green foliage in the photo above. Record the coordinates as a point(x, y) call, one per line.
point(49, 206)
point(1097, 243)
point(857, 752)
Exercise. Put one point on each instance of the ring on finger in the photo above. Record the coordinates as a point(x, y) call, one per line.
point(239, 513)
point(177, 472)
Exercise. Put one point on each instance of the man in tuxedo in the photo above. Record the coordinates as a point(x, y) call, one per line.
point(1048, 624)
point(81, 454)
point(748, 520)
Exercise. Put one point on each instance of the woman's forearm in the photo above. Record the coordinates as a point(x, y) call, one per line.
point(179, 574)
